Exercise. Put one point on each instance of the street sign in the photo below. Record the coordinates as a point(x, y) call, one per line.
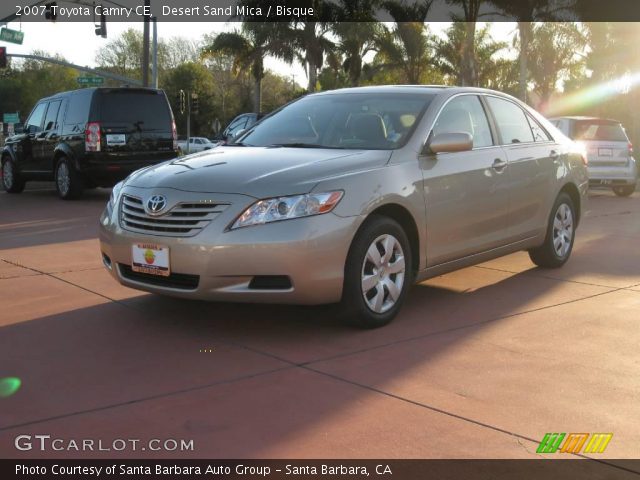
point(90, 80)
point(12, 36)
point(10, 118)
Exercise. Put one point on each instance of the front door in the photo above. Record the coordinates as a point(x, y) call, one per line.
point(466, 192)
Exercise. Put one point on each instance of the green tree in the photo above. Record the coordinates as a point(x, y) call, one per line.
point(356, 31)
point(525, 12)
point(249, 47)
point(555, 56)
point(407, 45)
point(469, 63)
point(490, 69)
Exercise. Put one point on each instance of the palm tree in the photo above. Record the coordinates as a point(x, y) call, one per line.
point(407, 46)
point(356, 29)
point(310, 39)
point(450, 55)
point(249, 46)
point(526, 12)
point(554, 52)
point(469, 65)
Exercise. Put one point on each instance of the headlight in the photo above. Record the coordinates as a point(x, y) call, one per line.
point(115, 194)
point(285, 208)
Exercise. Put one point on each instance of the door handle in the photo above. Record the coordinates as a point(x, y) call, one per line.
point(499, 164)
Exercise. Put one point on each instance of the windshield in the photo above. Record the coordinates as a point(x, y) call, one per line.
point(362, 121)
point(599, 130)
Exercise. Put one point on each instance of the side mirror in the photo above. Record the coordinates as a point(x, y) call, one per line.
point(449, 142)
point(237, 134)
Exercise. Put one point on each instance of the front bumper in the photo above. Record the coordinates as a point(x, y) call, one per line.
point(310, 251)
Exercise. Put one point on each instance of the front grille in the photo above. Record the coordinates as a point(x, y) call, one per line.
point(181, 281)
point(186, 219)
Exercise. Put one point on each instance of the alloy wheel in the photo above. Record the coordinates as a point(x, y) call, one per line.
point(63, 178)
point(562, 230)
point(7, 174)
point(383, 273)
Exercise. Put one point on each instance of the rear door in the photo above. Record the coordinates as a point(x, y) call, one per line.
point(50, 134)
point(605, 140)
point(136, 124)
point(532, 156)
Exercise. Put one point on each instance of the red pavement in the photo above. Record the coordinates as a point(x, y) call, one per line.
point(481, 363)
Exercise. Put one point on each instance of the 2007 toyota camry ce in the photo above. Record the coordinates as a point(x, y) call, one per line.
point(349, 197)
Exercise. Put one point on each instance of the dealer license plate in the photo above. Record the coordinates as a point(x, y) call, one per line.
point(150, 258)
point(116, 139)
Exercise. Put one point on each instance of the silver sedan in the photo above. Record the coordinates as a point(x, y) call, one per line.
point(350, 197)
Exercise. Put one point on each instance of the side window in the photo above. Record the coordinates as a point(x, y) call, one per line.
point(51, 118)
point(34, 123)
point(78, 107)
point(539, 134)
point(512, 122)
point(465, 114)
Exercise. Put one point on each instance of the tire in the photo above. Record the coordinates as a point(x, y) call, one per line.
point(376, 306)
point(624, 190)
point(561, 232)
point(12, 182)
point(69, 183)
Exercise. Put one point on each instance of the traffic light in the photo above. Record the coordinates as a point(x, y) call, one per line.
point(51, 11)
point(181, 101)
point(3, 57)
point(101, 30)
point(195, 105)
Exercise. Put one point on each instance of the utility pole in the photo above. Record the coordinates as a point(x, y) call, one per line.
point(188, 122)
point(154, 51)
point(145, 46)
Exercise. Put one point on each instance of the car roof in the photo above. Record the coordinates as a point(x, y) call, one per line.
point(93, 89)
point(585, 118)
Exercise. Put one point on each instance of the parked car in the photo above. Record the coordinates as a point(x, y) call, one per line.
point(238, 125)
point(609, 151)
point(196, 144)
point(351, 196)
point(90, 137)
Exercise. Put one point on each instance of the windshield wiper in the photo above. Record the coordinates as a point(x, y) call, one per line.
point(302, 145)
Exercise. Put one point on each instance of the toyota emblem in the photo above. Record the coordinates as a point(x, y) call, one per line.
point(156, 204)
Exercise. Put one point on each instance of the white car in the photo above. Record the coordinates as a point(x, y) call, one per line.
point(196, 144)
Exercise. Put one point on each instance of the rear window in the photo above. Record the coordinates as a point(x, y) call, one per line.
point(145, 110)
point(608, 131)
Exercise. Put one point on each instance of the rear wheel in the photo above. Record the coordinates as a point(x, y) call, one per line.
point(68, 181)
point(11, 179)
point(558, 243)
point(377, 274)
point(624, 190)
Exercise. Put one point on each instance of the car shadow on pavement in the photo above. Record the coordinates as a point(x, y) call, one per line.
point(150, 366)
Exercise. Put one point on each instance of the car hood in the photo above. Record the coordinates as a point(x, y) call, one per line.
point(257, 171)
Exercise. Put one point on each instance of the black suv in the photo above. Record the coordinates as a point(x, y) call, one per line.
point(89, 138)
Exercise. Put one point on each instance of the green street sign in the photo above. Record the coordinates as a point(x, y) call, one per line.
point(10, 118)
point(90, 80)
point(12, 36)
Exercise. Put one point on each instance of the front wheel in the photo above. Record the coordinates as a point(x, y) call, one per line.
point(68, 181)
point(558, 243)
point(11, 180)
point(624, 190)
point(377, 273)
